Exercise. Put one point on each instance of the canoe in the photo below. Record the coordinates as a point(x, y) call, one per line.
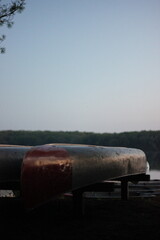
point(11, 158)
point(53, 169)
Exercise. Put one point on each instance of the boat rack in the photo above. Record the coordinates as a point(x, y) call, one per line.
point(106, 186)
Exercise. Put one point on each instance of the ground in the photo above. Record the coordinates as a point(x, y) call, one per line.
point(111, 219)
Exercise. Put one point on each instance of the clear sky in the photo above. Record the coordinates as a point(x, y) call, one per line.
point(86, 65)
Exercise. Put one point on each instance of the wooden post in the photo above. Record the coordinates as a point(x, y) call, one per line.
point(124, 190)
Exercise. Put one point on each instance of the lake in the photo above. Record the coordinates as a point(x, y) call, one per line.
point(154, 164)
point(155, 174)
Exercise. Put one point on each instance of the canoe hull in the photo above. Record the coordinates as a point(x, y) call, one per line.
point(52, 169)
point(11, 158)
point(44, 172)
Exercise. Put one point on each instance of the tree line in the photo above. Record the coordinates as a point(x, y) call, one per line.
point(148, 141)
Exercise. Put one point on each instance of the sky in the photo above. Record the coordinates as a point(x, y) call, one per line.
point(82, 65)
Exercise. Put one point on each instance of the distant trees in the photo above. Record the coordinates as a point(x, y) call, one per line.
point(7, 12)
point(148, 141)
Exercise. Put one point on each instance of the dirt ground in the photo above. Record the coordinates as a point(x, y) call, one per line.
point(112, 219)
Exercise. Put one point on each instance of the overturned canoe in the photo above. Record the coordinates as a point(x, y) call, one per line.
point(11, 158)
point(52, 169)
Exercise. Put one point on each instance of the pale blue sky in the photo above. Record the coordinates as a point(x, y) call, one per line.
point(86, 65)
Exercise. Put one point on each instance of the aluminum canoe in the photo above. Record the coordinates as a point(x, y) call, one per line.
point(52, 169)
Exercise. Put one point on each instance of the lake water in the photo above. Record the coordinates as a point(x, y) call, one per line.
point(155, 174)
point(154, 164)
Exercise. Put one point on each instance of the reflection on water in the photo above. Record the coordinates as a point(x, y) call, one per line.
point(154, 174)
point(154, 162)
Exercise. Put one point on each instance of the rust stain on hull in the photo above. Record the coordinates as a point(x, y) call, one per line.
point(46, 172)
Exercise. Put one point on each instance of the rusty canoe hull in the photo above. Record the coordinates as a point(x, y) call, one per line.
point(53, 169)
point(44, 172)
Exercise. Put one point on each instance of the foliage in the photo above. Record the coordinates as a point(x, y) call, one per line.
point(7, 12)
point(145, 140)
point(148, 141)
